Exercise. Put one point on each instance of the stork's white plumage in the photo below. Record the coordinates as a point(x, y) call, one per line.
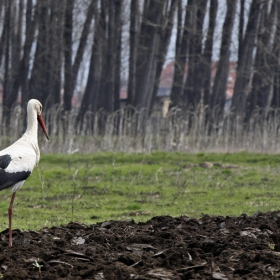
point(18, 160)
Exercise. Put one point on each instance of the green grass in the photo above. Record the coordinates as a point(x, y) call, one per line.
point(104, 186)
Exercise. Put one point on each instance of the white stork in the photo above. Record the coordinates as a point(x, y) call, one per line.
point(18, 160)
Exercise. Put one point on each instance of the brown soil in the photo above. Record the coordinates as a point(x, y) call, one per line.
point(245, 247)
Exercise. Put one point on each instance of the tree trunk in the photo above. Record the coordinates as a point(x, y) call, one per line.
point(193, 85)
point(147, 53)
point(118, 45)
point(91, 94)
point(3, 38)
point(245, 61)
point(71, 70)
point(182, 44)
point(55, 53)
point(37, 83)
point(275, 100)
point(166, 30)
point(263, 69)
point(107, 100)
point(241, 26)
point(16, 52)
point(220, 81)
point(133, 42)
point(82, 43)
point(103, 52)
point(68, 74)
point(7, 100)
point(31, 19)
point(208, 52)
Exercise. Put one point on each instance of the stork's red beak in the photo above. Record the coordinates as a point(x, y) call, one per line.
point(41, 122)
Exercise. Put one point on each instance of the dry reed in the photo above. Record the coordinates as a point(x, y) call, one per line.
point(129, 130)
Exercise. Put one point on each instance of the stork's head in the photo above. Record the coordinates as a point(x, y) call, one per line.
point(35, 105)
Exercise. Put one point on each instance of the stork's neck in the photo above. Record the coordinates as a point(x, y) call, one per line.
point(32, 125)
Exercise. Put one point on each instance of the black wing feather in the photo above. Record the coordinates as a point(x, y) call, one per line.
point(5, 161)
point(8, 179)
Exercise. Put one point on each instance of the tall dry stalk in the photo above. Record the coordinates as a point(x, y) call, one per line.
point(129, 130)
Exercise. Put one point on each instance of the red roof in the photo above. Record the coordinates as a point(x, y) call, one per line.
point(166, 78)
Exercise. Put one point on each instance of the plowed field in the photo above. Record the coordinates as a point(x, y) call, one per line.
point(244, 247)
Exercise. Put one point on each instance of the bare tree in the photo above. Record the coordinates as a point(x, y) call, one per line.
point(31, 21)
point(13, 36)
point(182, 41)
point(193, 84)
point(262, 81)
point(217, 101)
point(148, 43)
point(68, 75)
point(275, 100)
point(208, 53)
point(92, 90)
point(245, 61)
point(241, 25)
point(133, 42)
point(166, 26)
point(111, 62)
point(71, 70)
point(38, 87)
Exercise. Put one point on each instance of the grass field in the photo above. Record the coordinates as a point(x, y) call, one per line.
point(104, 186)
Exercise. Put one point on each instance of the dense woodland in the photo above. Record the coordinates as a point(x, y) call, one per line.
point(49, 49)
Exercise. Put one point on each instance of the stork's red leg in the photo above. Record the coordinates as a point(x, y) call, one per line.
point(10, 213)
